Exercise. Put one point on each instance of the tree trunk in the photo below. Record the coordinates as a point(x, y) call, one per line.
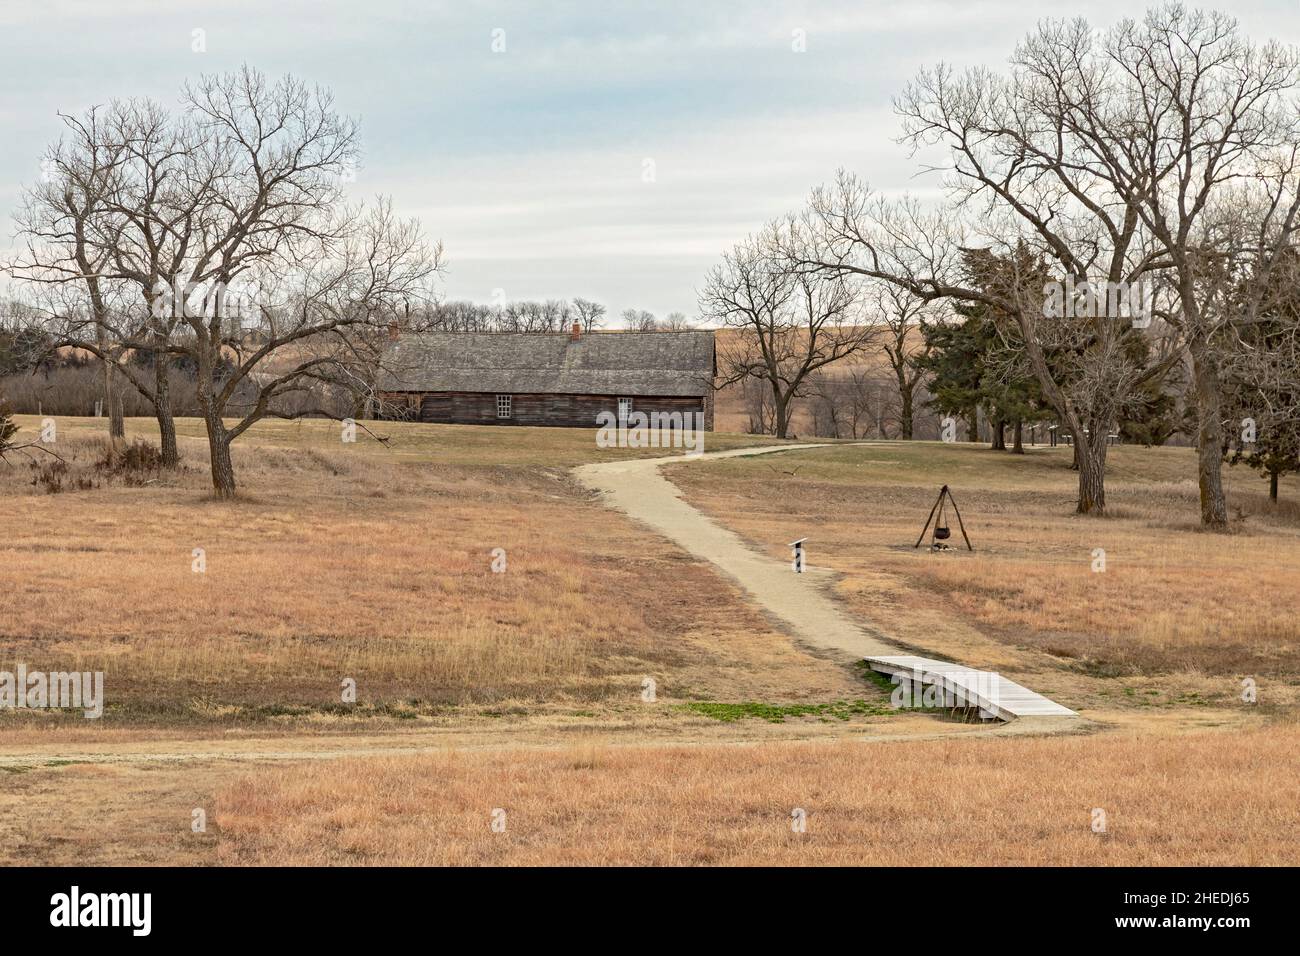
point(973, 425)
point(782, 408)
point(1209, 436)
point(999, 435)
point(223, 470)
point(1272, 486)
point(116, 420)
point(113, 408)
point(163, 408)
point(1089, 455)
point(905, 393)
point(1092, 477)
point(1019, 446)
point(112, 400)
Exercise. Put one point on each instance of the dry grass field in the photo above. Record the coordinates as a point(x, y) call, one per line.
point(1170, 600)
point(523, 690)
point(356, 562)
point(931, 803)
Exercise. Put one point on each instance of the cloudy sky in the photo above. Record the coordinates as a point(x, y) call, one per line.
point(610, 150)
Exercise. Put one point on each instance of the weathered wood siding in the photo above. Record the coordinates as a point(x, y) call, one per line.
point(570, 411)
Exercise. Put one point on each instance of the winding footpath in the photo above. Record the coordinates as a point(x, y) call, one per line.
point(799, 600)
point(637, 488)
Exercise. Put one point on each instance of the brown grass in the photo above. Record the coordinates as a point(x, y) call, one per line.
point(501, 446)
point(1171, 598)
point(373, 563)
point(1204, 799)
point(58, 813)
point(345, 561)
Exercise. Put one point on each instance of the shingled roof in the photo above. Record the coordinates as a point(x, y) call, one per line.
point(598, 363)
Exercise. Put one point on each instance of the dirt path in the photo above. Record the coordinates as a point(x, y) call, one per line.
point(127, 802)
point(798, 600)
point(179, 751)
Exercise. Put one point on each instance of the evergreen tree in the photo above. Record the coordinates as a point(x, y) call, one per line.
point(954, 360)
point(973, 367)
point(1152, 416)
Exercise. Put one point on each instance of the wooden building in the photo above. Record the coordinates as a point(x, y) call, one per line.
point(564, 379)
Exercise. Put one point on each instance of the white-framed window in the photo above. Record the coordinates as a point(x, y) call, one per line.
point(624, 410)
point(504, 406)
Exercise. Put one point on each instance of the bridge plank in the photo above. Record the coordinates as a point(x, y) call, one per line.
point(991, 692)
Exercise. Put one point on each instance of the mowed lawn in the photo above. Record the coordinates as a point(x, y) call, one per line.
point(370, 563)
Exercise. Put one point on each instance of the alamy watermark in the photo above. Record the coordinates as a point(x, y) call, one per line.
point(1101, 299)
point(232, 303)
point(655, 430)
point(958, 688)
point(53, 690)
point(129, 910)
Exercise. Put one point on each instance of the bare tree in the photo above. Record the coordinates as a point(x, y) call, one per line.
point(825, 399)
point(318, 329)
point(676, 322)
point(522, 315)
point(559, 315)
point(233, 211)
point(758, 407)
point(321, 278)
point(1075, 349)
point(789, 323)
point(864, 403)
point(1173, 114)
point(62, 222)
point(460, 316)
point(639, 320)
point(901, 313)
point(1261, 376)
point(590, 314)
point(1102, 155)
point(526, 315)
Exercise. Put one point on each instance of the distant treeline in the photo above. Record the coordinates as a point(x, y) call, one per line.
point(551, 315)
point(37, 378)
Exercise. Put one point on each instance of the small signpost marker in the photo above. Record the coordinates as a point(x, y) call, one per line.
point(797, 551)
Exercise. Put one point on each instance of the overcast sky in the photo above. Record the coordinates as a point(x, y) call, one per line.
point(530, 163)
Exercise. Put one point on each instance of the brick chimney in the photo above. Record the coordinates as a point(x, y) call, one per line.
point(576, 333)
